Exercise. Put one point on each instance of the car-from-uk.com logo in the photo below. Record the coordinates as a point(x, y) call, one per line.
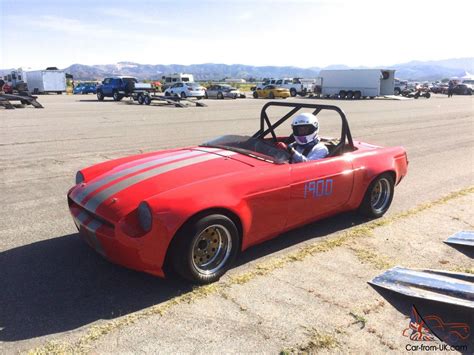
point(439, 335)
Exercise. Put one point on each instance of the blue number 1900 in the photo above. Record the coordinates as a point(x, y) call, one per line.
point(318, 188)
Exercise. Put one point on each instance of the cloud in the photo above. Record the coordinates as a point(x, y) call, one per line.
point(122, 14)
point(245, 16)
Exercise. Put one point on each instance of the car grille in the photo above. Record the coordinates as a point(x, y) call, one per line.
point(74, 206)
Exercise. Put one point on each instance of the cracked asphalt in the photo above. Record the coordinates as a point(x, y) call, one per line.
point(55, 293)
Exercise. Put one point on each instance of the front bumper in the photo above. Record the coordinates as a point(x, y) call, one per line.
point(109, 240)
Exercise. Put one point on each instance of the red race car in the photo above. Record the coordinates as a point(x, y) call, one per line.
point(196, 208)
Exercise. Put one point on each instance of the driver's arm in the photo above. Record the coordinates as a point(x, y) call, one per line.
point(320, 151)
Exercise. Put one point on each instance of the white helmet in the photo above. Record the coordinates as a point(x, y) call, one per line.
point(305, 128)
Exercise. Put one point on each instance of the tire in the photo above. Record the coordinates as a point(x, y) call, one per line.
point(342, 94)
point(183, 95)
point(427, 95)
point(255, 95)
point(116, 96)
point(220, 96)
point(378, 197)
point(349, 95)
point(357, 95)
point(293, 92)
point(167, 93)
point(140, 99)
point(397, 91)
point(197, 242)
point(147, 100)
point(100, 96)
point(271, 95)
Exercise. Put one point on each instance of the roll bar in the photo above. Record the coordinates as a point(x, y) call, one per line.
point(346, 137)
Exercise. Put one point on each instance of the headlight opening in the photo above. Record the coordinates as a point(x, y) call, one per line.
point(145, 216)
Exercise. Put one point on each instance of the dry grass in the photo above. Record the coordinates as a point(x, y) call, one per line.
point(319, 340)
point(467, 270)
point(366, 256)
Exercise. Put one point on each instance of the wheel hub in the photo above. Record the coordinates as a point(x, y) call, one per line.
point(211, 249)
point(380, 195)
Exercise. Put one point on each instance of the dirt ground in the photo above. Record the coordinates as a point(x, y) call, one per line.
point(305, 291)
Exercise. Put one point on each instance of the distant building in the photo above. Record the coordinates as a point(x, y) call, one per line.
point(234, 80)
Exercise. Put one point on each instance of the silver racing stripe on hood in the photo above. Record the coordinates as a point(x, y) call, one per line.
point(108, 192)
point(98, 184)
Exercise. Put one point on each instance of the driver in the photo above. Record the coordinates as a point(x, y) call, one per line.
point(307, 145)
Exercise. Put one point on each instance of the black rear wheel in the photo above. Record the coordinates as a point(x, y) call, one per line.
point(116, 96)
point(271, 95)
point(378, 197)
point(205, 249)
point(255, 95)
point(293, 92)
point(147, 100)
point(100, 96)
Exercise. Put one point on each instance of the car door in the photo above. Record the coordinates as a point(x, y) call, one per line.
point(172, 89)
point(212, 91)
point(319, 188)
point(267, 197)
point(177, 88)
point(107, 87)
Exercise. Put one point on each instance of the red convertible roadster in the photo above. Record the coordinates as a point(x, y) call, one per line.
point(196, 208)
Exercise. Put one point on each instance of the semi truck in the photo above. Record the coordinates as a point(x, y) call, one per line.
point(46, 81)
point(357, 83)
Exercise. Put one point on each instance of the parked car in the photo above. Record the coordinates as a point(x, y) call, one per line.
point(195, 209)
point(116, 87)
point(294, 85)
point(219, 91)
point(185, 90)
point(271, 92)
point(462, 89)
point(85, 88)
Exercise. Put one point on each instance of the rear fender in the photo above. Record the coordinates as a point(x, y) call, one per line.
point(368, 166)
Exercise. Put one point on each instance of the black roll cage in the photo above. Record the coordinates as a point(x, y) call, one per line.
point(346, 137)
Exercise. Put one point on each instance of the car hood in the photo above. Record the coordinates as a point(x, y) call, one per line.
point(119, 191)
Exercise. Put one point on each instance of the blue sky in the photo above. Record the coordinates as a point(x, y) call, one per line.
point(42, 33)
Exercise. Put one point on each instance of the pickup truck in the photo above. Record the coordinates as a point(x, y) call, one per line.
point(119, 87)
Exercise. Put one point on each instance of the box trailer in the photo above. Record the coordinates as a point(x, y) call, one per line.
point(357, 83)
point(45, 81)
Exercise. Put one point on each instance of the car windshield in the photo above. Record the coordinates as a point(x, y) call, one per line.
point(254, 147)
point(130, 79)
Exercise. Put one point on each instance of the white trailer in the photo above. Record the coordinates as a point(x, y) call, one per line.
point(357, 83)
point(45, 81)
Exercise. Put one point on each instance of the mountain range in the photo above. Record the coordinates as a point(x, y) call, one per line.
point(414, 70)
